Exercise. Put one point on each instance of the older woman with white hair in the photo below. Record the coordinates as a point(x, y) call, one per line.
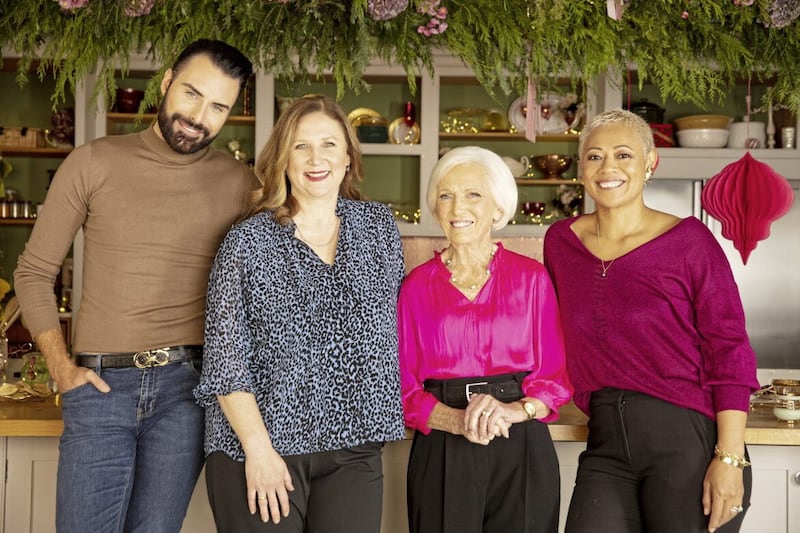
point(481, 364)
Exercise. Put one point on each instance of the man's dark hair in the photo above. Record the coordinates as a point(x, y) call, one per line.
point(227, 58)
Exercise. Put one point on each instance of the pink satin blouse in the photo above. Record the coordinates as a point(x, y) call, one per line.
point(513, 325)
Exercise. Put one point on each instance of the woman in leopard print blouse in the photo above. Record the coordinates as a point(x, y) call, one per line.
point(300, 378)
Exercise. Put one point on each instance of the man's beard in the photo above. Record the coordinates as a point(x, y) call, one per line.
point(176, 139)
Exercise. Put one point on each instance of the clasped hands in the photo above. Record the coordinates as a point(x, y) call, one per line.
point(485, 418)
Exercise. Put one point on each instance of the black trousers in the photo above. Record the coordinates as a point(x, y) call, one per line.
point(339, 491)
point(643, 468)
point(511, 485)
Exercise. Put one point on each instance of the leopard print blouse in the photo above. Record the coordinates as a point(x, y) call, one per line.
point(315, 343)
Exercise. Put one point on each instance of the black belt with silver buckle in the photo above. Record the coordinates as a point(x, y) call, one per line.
point(456, 392)
point(144, 359)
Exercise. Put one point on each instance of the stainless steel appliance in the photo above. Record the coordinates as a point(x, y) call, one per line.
point(770, 282)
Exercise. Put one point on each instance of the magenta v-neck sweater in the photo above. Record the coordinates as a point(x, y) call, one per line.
point(667, 320)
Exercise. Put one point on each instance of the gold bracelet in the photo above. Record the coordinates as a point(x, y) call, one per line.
point(730, 458)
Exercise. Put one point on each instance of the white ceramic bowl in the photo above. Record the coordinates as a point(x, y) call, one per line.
point(788, 415)
point(703, 138)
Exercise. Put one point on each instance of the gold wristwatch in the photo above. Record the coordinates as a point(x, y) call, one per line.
point(530, 408)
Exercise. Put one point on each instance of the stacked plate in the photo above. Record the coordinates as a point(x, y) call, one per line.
point(703, 131)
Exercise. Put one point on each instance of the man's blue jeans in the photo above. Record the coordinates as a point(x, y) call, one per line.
point(129, 459)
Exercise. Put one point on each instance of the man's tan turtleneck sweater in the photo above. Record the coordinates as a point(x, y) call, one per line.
point(153, 220)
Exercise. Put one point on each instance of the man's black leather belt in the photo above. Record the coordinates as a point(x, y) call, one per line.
point(144, 359)
point(456, 392)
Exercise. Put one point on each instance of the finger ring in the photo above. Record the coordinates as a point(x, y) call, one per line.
point(737, 509)
point(261, 498)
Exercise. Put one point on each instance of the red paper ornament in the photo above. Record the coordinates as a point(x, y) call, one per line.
point(746, 197)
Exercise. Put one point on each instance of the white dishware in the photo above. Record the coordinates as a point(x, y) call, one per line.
point(516, 113)
point(740, 132)
point(551, 120)
point(702, 138)
point(517, 168)
point(786, 414)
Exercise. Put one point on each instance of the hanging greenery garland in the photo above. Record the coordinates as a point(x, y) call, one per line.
point(690, 49)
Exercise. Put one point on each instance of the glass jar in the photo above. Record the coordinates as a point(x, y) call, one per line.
point(34, 369)
point(372, 129)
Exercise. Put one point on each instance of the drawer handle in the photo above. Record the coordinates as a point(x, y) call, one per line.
point(797, 477)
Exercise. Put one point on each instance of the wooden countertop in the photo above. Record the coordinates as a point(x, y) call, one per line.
point(43, 419)
point(29, 418)
point(762, 427)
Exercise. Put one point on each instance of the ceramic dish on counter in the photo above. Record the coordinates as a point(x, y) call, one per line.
point(786, 387)
point(787, 409)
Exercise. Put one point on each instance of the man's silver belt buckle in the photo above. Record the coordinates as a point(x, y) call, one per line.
point(468, 386)
point(151, 358)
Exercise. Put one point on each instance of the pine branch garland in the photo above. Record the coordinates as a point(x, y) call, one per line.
point(690, 50)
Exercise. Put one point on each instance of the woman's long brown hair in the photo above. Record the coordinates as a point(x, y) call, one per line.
point(276, 194)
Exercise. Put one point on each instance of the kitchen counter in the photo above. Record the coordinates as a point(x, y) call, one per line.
point(43, 419)
point(762, 428)
point(29, 418)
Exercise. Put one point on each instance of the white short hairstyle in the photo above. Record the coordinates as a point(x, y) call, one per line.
point(612, 117)
point(501, 182)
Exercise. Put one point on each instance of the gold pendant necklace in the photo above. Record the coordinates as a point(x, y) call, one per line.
point(474, 286)
point(600, 247)
point(603, 264)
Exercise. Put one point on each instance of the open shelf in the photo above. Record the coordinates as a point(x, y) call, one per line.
point(545, 182)
point(30, 151)
point(505, 136)
point(147, 117)
point(391, 149)
point(17, 221)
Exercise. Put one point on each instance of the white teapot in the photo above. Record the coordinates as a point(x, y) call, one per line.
point(519, 167)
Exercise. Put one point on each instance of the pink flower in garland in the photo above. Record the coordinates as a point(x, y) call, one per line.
point(138, 8)
point(438, 15)
point(71, 4)
point(386, 9)
point(429, 7)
